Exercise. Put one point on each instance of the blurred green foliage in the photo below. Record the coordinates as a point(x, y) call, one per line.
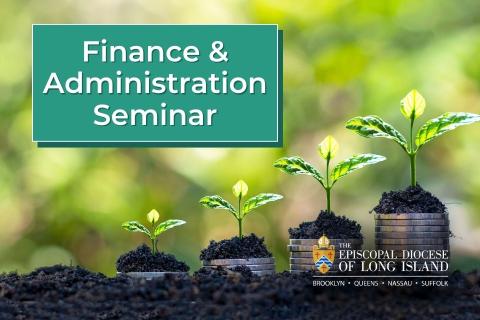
point(341, 59)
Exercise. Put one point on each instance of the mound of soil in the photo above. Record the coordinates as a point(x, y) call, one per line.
point(204, 273)
point(411, 200)
point(236, 248)
point(61, 292)
point(334, 227)
point(142, 260)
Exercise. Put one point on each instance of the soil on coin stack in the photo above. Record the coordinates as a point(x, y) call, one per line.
point(333, 226)
point(411, 200)
point(61, 292)
point(142, 260)
point(236, 248)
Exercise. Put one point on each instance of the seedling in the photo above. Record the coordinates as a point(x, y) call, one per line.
point(327, 149)
point(412, 107)
point(240, 190)
point(157, 229)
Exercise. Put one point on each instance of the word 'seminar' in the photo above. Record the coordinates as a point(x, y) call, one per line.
point(147, 117)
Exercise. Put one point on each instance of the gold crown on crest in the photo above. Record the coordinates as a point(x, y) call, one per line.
point(323, 242)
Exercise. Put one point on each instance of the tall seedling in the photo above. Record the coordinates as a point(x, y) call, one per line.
point(327, 149)
point(412, 107)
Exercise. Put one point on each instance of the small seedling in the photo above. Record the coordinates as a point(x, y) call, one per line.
point(157, 229)
point(327, 150)
point(412, 107)
point(240, 190)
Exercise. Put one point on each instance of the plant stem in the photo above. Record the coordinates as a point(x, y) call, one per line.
point(153, 246)
point(413, 155)
point(240, 234)
point(413, 169)
point(328, 187)
point(328, 199)
point(240, 228)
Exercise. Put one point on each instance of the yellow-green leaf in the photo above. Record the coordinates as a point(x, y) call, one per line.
point(217, 202)
point(135, 226)
point(354, 163)
point(413, 105)
point(153, 216)
point(297, 166)
point(374, 127)
point(240, 189)
point(259, 200)
point(440, 125)
point(168, 224)
point(328, 148)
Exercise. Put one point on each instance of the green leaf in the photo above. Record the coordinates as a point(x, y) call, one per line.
point(374, 127)
point(297, 166)
point(440, 125)
point(413, 105)
point(259, 200)
point(135, 226)
point(328, 148)
point(168, 224)
point(354, 163)
point(217, 202)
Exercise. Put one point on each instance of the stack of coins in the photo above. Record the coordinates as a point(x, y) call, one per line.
point(412, 231)
point(258, 266)
point(301, 253)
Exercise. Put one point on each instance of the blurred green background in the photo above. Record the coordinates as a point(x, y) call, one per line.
point(341, 59)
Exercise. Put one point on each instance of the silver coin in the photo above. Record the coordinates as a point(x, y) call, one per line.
point(411, 247)
point(301, 254)
point(411, 216)
point(314, 242)
point(305, 267)
point(308, 261)
point(301, 261)
point(422, 222)
point(412, 228)
point(309, 255)
point(264, 272)
point(253, 267)
point(308, 267)
point(414, 241)
point(411, 235)
point(223, 262)
point(300, 248)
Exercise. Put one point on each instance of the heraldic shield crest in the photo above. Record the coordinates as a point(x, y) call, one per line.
point(323, 254)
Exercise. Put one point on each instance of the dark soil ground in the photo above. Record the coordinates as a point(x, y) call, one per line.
point(142, 260)
point(61, 292)
point(410, 200)
point(236, 248)
point(333, 226)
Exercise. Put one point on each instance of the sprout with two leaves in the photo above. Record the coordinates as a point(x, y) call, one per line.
point(412, 107)
point(157, 229)
point(327, 150)
point(240, 190)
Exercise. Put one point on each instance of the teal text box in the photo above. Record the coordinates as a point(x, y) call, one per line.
point(241, 119)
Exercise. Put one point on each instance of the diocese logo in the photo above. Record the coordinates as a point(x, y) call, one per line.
point(323, 254)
